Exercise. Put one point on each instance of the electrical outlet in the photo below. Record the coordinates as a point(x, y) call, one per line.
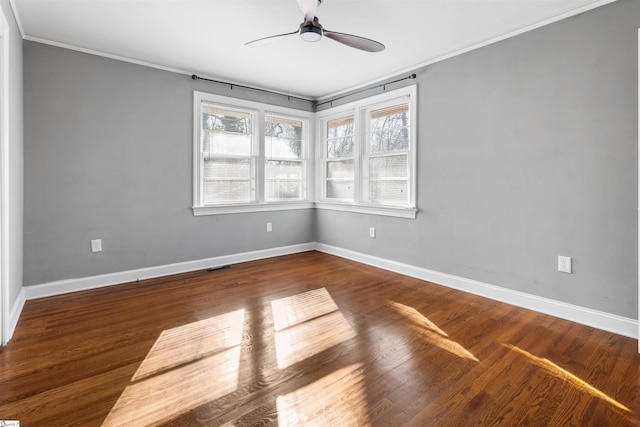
point(269, 227)
point(564, 264)
point(96, 245)
point(372, 232)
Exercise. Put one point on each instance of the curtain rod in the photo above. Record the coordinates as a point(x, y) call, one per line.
point(232, 85)
point(289, 97)
point(316, 104)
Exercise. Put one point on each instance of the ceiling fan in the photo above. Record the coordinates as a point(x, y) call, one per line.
point(310, 30)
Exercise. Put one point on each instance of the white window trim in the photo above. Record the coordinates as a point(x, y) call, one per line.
point(358, 205)
point(260, 205)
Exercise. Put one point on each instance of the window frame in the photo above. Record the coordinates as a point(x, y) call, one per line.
point(304, 158)
point(259, 112)
point(323, 158)
point(360, 110)
point(252, 157)
point(368, 154)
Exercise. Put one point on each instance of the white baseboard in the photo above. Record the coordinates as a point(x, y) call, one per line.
point(14, 316)
point(586, 316)
point(73, 285)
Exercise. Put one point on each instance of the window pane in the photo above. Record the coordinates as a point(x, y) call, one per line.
point(283, 180)
point(225, 131)
point(340, 147)
point(391, 117)
point(389, 140)
point(342, 189)
point(388, 167)
point(338, 128)
point(227, 168)
point(215, 142)
point(340, 169)
point(279, 190)
point(283, 148)
point(389, 129)
point(277, 169)
point(340, 174)
point(283, 137)
point(392, 192)
point(340, 142)
point(225, 119)
point(227, 191)
point(227, 180)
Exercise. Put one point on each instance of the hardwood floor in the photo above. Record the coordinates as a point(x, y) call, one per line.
point(308, 339)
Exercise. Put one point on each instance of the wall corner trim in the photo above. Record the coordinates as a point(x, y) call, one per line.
point(586, 316)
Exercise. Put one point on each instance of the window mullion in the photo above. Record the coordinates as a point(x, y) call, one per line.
point(261, 157)
point(308, 151)
point(361, 137)
point(321, 153)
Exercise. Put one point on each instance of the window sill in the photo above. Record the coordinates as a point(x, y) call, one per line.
point(409, 213)
point(265, 207)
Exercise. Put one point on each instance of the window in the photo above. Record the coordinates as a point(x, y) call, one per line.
point(386, 165)
point(284, 154)
point(367, 157)
point(229, 155)
point(248, 156)
point(339, 159)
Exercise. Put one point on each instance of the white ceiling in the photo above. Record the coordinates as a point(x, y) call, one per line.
point(206, 37)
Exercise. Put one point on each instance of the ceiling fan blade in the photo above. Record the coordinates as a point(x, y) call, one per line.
point(308, 7)
point(270, 39)
point(357, 42)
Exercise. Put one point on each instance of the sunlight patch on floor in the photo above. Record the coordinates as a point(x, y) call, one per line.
point(310, 338)
point(430, 332)
point(191, 342)
point(416, 317)
point(559, 372)
point(187, 367)
point(306, 325)
point(302, 307)
point(336, 399)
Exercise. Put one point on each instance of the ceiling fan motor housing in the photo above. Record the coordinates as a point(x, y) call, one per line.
point(311, 32)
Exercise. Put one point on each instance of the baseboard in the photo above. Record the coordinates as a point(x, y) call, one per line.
point(14, 316)
point(73, 285)
point(586, 316)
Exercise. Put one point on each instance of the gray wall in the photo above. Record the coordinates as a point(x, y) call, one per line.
point(15, 172)
point(527, 150)
point(108, 154)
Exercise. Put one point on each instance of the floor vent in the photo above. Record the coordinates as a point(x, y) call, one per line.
point(218, 268)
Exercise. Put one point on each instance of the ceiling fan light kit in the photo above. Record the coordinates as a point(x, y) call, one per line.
point(311, 31)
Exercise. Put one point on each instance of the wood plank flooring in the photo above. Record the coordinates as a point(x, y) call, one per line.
point(308, 339)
